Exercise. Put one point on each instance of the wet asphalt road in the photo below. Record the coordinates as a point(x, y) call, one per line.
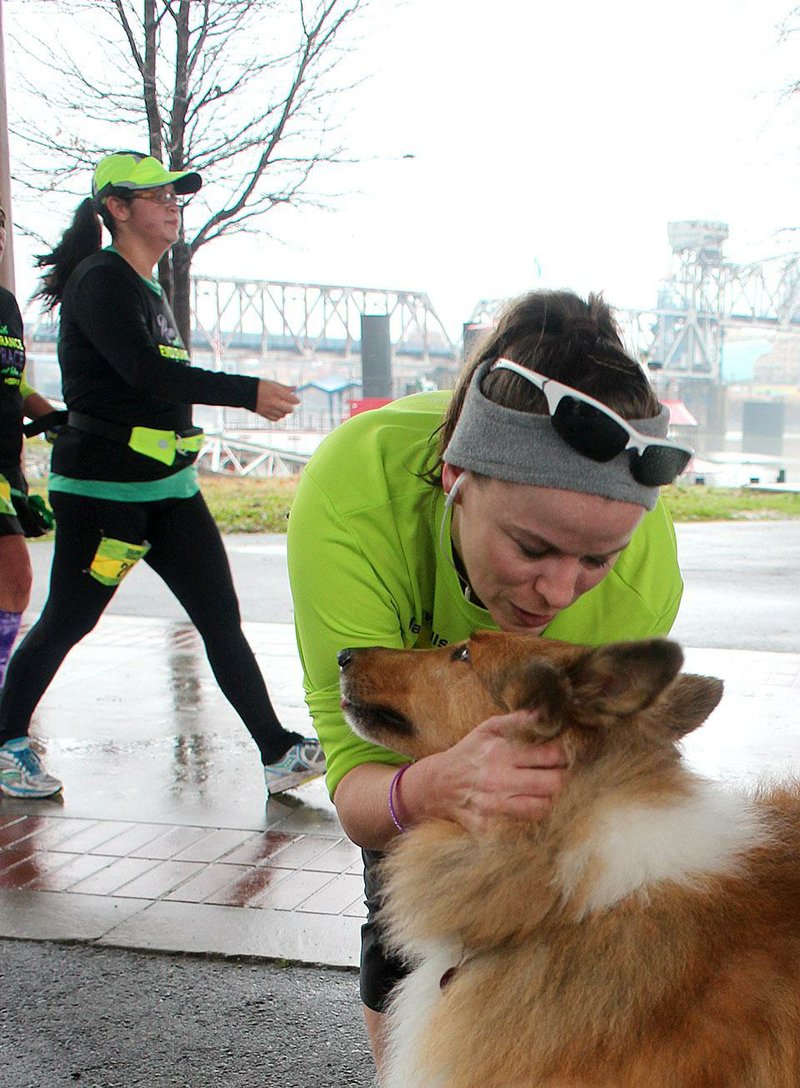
point(742, 584)
point(106, 1018)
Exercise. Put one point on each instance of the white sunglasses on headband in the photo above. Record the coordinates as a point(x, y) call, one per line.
point(594, 430)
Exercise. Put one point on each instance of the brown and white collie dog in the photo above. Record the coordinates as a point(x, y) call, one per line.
point(646, 934)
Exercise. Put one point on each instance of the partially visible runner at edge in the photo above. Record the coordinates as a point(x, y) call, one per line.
point(20, 516)
point(123, 485)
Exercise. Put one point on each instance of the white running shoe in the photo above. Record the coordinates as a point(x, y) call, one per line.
point(304, 761)
point(22, 773)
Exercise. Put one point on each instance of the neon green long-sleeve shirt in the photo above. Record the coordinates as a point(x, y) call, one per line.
point(370, 565)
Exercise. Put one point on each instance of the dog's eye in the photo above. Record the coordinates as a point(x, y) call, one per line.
point(461, 653)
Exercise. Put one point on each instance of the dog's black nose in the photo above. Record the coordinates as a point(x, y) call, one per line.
point(344, 657)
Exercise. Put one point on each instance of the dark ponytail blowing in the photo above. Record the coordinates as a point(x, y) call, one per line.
point(81, 238)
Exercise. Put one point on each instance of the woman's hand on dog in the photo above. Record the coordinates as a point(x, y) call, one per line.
point(492, 772)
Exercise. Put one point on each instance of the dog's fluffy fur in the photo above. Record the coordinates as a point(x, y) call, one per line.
point(646, 934)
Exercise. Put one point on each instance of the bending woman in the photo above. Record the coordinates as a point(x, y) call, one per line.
point(523, 502)
point(123, 485)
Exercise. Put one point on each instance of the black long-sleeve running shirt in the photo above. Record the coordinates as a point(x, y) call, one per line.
point(12, 365)
point(122, 360)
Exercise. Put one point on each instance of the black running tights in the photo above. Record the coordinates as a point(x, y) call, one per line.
point(187, 552)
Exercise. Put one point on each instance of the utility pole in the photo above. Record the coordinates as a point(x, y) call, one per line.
point(7, 264)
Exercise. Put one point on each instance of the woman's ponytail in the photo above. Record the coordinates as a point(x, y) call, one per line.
point(81, 238)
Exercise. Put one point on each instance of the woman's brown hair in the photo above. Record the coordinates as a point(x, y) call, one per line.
point(565, 337)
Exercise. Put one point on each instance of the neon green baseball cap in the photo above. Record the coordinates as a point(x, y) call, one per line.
point(128, 171)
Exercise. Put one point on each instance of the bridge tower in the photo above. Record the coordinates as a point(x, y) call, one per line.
point(686, 352)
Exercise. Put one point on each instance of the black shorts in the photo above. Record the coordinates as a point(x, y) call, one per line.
point(380, 970)
point(10, 526)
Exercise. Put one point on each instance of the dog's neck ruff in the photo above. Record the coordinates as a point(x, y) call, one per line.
point(523, 448)
point(636, 845)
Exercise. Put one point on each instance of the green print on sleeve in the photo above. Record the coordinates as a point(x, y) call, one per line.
point(173, 353)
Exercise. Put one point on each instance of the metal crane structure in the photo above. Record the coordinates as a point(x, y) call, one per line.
point(705, 298)
point(703, 301)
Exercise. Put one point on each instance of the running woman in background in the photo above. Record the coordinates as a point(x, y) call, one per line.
point(123, 485)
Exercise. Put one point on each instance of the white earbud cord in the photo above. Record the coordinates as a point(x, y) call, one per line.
point(448, 502)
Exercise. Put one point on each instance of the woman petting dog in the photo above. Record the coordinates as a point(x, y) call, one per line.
point(527, 500)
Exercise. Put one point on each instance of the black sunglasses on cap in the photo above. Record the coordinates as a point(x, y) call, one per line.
point(592, 429)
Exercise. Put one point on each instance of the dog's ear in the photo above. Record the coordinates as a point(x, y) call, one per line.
point(625, 677)
point(536, 685)
point(687, 703)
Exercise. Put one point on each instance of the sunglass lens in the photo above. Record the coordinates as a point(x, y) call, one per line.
point(658, 465)
point(587, 430)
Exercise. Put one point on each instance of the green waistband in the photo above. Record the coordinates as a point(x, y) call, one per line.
point(181, 485)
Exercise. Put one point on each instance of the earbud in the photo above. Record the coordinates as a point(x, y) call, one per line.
point(450, 498)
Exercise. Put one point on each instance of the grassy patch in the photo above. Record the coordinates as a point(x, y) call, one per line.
point(238, 505)
point(729, 504)
point(249, 506)
point(262, 506)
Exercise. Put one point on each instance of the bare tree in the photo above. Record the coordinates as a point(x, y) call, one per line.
point(243, 91)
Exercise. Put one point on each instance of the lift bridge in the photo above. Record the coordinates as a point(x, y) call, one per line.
point(701, 303)
point(304, 320)
point(308, 319)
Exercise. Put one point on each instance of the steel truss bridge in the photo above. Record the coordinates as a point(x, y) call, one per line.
point(304, 319)
point(307, 319)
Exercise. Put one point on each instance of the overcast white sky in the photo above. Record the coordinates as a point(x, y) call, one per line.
point(551, 145)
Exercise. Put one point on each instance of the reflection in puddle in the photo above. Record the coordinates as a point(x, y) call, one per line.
point(192, 761)
point(191, 751)
point(185, 685)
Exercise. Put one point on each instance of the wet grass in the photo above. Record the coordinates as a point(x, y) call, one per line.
point(262, 506)
point(730, 504)
point(249, 506)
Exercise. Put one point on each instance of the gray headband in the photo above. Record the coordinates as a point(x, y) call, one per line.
point(524, 448)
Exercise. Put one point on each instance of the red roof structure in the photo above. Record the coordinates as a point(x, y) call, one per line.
point(679, 414)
